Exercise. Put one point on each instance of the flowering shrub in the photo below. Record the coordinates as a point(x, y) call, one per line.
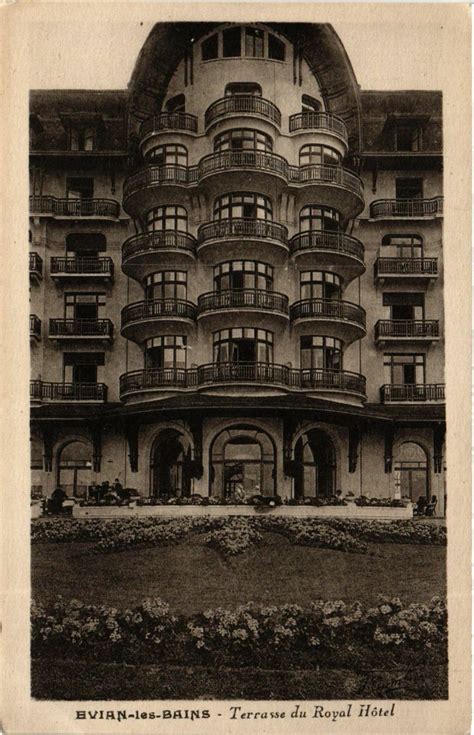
point(316, 502)
point(392, 532)
point(313, 532)
point(364, 501)
point(234, 537)
point(242, 635)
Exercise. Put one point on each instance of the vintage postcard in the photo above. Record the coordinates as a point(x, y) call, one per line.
point(236, 495)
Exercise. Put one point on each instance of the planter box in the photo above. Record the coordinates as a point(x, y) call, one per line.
point(36, 510)
point(289, 511)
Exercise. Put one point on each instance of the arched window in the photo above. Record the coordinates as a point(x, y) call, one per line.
point(403, 246)
point(319, 154)
point(310, 104)
point(74, 468)
point(246, 205)
point(315, 459)
point(247, 89)
point(168, 155)
point(320, 285)
point(176, 103)
point(242, 463)
point(170, 217)
point(166, 285)
point(243, 274)
point(170, 465)
point(412, 464)
point(322, 219)
point(243, 139)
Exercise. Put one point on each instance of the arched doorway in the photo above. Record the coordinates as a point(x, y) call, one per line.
point(315, 459)
point(75, 468)
point(169, 465)
point(242, 457)
point(411, 463)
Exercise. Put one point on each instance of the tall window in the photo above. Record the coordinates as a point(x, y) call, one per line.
point(319, 154)
point(411, 188)
point(84, 305)
point(231, 44)
point(407, 137)
point(243, 139)
point(276, 48)
point(243, 344)
point(401, 369)
point(243, 274)
point(405, 306)
point(314, 217)
point(170, 217)
point(82, 138)
point(247, 89)
point(320, 285)
point(209, 48)
point(79, 187)
point(322, 353)
point(310, 104)
point(165, 352)
point(169, 155)
point(166, 285)
point(243, 205)
point(254, 42)
point(403, 246)
point(176, 103)
point(82, 367)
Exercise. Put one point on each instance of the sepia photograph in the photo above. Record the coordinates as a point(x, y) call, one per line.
point(239, 483)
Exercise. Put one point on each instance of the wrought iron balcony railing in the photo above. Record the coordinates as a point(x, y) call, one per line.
point(332, 242)
point(35, 326)
point(318, 121)
point(82, 266)
point(74, 207)
point(252, 228)
point(243, 104)
point(40, 391)
point(243, 372)
point(257, 160)
point(147, 243)
point(406, 207)
point(328, 309)
point(412, 393)
point(243, 298)
point(406, 267)
point(101, 328)
point(407, 328)
point(326, 174)
point(169, 121)
point(35, 265)
point(158, 308)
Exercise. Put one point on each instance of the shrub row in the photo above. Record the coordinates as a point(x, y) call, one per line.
point(244, 636)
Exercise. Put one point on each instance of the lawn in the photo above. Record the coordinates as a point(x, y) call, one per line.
point(193, 577)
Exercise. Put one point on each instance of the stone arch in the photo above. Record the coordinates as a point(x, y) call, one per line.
point(74, 466)
point(316, 453)
point(411, 463)
point(170, 462)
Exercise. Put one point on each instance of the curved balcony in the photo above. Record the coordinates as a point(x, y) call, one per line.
point(241, 376)
point(242, 106)
point(333, 318)
point(319, 121)
point(168, 121)
point(239, 238)
point(337, 187)
point(237, 166)
point(406, 208)
point(49, 206)
point(318, 249)
point(260, 307)
point(142, 253)
point(142, 319)
point(140, 189)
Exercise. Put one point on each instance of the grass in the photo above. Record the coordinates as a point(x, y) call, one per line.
point(193, 577)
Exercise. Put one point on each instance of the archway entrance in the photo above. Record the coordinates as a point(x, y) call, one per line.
point(242, 463)
point(75, 468)
point(412, 464)
point(169, 465)
point(315, 459)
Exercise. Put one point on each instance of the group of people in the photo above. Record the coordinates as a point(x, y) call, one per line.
point(109, 494)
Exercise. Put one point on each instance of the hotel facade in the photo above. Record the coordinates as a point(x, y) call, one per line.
point(236, 274)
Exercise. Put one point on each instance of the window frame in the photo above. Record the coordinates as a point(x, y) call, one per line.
point(261, 203)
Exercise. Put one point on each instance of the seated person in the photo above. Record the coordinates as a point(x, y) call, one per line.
point(55, 503)
point(420, 506)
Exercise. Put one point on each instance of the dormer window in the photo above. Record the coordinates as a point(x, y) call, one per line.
point(82, 138)
point(248, 41)
point(231, 45)
point(254, 42)
point(408, 137)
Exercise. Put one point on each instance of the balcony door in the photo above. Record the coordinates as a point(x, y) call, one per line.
point(82, 367)
point(411, 463)
point(405, 306)
point(410, 188)
point(402, 370)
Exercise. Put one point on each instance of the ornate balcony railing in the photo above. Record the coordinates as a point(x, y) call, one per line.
point(406, 328)
point(327, 309)
point(143, 310)
point(406, 267)
point(152, 242)
point(82, 266)
point(334, 242)
point(102, 328)
point(318, 121)
point(406, 207)
point(40, 391)
point(244, 104)
point(258, 228)
point(35, 265)
point(35, 326)
point(257, 160)
point(243, 372)
point(74, 207)
point(169, 121)
point(152, 175)
point(327, 174)
point(412, 393)
point(243, 298)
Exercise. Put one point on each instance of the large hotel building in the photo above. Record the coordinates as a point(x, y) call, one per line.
point(236, 274)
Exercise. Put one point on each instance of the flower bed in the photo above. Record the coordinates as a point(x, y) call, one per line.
point(233, 538)
point(325, 632)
